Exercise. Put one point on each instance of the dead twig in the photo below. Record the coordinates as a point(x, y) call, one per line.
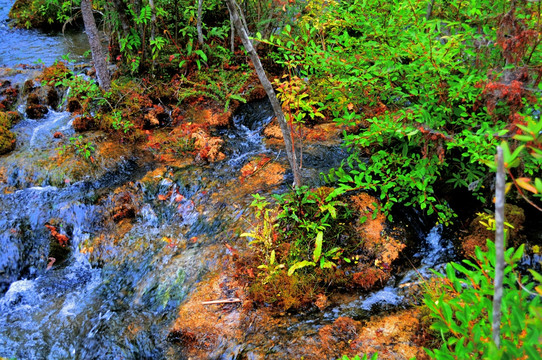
point(223, 301)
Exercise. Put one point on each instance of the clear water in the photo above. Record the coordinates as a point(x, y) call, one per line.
point(29, 47)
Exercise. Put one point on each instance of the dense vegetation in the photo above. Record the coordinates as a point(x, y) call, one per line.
point(424, 91)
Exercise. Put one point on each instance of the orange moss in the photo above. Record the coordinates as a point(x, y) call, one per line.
point(208, 146)
point(54, 73)
point(478, 233)
point(371, 230)
point(391, 336)
point(201, 328)
point(336, 338)
point(283, 291)
point(272, 130)
point(369, 276)
point(214, 117)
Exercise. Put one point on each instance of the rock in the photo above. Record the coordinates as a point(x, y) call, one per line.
point(34, 108)
point(478, 232)
point(84, 123)
point(36, 111)
point(7, 138)
point(8, 96)
point(7, 141)
point(52, 97)
point(28, 86)
point(157, 116)
point(74, 105)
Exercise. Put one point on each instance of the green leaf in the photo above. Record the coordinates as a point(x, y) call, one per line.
point(299, 265)
point(201, 54)
point(318, 246)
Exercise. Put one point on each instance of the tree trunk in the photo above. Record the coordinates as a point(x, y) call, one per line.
point(104, 79)
point(499, 248)
point(277, 108)
point(153, 27)
point(232, 37)
point(198, 24)
point(121, 10)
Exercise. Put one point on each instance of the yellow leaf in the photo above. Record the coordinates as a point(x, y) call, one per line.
point(525, 183)
point(508, 187)
point(350, 106)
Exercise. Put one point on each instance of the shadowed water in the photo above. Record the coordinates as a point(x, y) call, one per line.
point(19, 46)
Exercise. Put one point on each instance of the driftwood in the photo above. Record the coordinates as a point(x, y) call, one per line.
point(223, 301)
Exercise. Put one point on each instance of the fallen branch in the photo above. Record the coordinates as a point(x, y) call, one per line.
point(224, 301)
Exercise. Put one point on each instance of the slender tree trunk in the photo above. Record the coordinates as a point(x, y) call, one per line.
point(198, 24)
point(277, 108)
point(121, 11)
point(176, 21)
point(232, 37)
point(429, 11)
point(153, 29)
point(104, 79)
point(499, 247)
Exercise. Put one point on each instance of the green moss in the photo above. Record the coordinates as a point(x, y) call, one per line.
point(39, 14)
point(5, 120)
point(7, 140)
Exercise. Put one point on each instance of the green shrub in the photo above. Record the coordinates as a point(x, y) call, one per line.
point(463, 310)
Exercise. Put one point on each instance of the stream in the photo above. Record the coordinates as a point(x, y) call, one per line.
point(118, 298)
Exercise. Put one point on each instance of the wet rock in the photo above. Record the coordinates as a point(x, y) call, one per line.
point(29, 14)
point(58, 135)
point(8, 95)
point(74, 105)
point(52, 97)
point(34, 108)
point(156, 116)
point(28, 86)
point(59, 250)
point(84, 123)
point(7, 138)
point(7, 141)
point(392, 336)
point(478, 233)
point(336, 338)
point(204, 331)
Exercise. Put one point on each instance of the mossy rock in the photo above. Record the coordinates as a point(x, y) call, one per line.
point(7, 140)
point(27, 14)
point(5, 120)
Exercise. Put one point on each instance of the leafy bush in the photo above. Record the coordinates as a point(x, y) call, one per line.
point(463, 310)
point(80, 147)
point(427, 98)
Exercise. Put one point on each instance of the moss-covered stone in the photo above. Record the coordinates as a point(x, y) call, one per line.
point(7, 140)
point(28, 14)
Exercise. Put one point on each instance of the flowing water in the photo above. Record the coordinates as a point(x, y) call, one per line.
point(32, 46)
point(117, 292)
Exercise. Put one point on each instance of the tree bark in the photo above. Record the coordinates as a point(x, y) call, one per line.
point(104, 79)
point(429, 11)
point(499, 248)
point(277, 108)
point(198, 24)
